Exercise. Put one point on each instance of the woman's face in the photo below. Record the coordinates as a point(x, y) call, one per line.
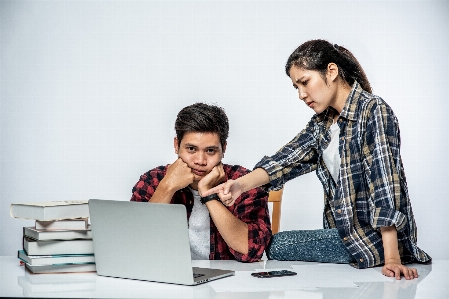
point(312, 89)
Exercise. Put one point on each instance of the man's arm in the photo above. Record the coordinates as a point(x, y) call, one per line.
point(245, 226)
point(178, 176)
point(159, 185)
point(233, 230)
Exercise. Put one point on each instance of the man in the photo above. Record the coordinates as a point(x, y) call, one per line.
point(241, 231)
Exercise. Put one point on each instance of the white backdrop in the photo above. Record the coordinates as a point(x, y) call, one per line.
point(89, 91)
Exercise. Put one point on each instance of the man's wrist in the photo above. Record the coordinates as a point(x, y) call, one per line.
point(166, 188)
point(213, 196)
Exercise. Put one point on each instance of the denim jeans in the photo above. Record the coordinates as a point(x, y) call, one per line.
point(321, 245)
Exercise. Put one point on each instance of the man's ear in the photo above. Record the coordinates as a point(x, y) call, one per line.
point(176, 145)
point(332, 71)
point(224, 148)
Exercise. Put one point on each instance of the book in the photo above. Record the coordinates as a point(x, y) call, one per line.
point(62, 268)
point(42, 234)
point(51, 210)
point(59, 279)
point(56, 247)
point(40, 260)
point(62, 224)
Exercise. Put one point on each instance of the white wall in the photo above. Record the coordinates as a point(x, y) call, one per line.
point(89, 92)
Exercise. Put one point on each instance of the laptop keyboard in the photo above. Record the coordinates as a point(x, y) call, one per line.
point(196, 275)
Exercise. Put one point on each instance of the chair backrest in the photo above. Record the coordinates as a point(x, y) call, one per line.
point(276, 198)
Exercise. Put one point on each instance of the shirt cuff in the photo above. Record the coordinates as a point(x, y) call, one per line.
point(256, 246)
point(384, 217)
point(274, 171)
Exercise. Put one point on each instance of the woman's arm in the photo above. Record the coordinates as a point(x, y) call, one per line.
point(296, 158)
point(232, 189)
point(393, 266)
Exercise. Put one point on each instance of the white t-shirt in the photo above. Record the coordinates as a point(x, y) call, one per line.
point(199, 229)
point(331, 156)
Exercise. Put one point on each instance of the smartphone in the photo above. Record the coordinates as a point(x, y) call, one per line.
point(273, 274)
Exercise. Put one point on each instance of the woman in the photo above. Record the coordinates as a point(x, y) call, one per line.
point(353, 144)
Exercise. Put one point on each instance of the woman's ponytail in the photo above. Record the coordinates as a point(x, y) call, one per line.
point(317, 54)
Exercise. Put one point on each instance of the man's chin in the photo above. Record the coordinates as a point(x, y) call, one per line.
point(197, 178)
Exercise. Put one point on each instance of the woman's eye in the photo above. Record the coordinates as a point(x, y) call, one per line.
point(304, 82)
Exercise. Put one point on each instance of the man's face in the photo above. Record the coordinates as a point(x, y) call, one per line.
point(200, 151)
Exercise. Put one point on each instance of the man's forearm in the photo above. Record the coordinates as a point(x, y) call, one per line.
point(162, 194)
point(233, 230)
point(390, 243)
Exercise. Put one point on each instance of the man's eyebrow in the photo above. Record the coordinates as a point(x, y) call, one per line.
point(207, 147)
point(190, 145)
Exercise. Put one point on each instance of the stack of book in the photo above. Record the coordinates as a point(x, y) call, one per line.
point(61, 238)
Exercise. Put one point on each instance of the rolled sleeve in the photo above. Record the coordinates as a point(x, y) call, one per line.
point(388, 217)
point(382, 154)
point(296, 158)
point(144, 189)
point(252, 208)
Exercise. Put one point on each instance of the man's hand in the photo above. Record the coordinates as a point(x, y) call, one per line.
point(212, 179)
point(228, 192)
point(394, 269)
point(178, 176)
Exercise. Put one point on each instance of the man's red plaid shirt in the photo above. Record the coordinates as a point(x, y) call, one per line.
point(251, 207)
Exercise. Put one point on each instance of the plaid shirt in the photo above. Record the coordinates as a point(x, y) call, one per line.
point(251, 207)
point(371, 191)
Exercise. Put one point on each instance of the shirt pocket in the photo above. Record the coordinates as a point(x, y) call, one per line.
point(352, 164)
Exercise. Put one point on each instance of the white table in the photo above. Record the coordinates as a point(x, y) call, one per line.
point(433, 283)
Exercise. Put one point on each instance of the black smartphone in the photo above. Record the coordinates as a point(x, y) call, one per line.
point(269, 274)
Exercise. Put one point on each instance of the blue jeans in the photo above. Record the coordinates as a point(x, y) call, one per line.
point(321, 245)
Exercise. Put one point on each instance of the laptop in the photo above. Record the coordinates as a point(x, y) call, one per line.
point(145, 241)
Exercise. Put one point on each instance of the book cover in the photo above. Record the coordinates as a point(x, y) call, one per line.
point(62, 224)
point(56, 247)
point(40, 234)
point(40, 260)
point(51, 210)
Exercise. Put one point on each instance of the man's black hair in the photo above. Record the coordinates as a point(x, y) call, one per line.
point(203, 118)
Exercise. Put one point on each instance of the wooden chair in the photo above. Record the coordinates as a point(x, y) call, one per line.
point(275, 197)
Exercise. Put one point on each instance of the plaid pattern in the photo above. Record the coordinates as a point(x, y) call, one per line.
point(371, 191)
point(251, 207)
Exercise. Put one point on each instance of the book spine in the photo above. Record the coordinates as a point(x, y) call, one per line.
point(58, 247)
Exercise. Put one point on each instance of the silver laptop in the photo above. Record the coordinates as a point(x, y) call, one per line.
point(145, 241)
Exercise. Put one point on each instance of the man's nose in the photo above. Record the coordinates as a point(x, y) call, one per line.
point(200, 159)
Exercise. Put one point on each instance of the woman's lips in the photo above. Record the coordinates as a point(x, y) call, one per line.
point(310, 104)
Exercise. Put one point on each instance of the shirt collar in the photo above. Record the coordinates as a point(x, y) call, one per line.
point(349, 110)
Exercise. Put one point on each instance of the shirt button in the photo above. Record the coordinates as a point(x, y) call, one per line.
point(345, 238)
point(361, 260)
point(338, 211)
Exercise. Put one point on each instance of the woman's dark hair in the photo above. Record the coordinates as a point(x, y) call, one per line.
point(317, 54)
point(203, 118)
